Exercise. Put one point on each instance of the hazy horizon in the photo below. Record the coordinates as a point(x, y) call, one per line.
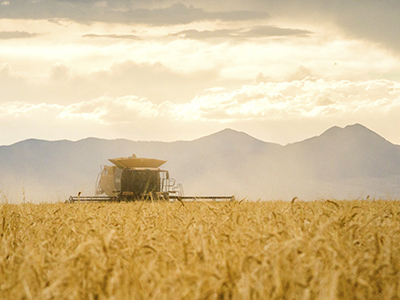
point(341, 163)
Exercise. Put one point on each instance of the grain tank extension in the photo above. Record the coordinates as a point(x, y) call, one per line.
point(132, 178)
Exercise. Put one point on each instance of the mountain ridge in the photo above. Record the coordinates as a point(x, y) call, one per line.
point(219, 133)
point(226, 161)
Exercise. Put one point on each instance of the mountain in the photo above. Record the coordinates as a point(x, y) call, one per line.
point(348, 152)
point(342, 162)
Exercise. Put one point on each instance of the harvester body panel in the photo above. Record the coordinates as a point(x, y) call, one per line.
point(106, 182)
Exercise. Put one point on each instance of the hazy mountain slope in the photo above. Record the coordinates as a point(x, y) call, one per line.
point(68, 167)
point(220, 162)
point(348, 152)
point(339, 162)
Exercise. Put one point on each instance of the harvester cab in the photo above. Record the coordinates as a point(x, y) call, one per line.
point(132, 178)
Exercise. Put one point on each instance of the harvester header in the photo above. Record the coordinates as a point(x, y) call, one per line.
point(135, 162)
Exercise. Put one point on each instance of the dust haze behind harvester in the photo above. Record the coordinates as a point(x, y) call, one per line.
point(133, 179)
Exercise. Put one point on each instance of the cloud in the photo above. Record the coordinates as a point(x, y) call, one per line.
point(112, 36)
point(155, 81)
point(375, 21)
point(241, 33)
point(64, 84)
point(103, 110)
point(307, 98)
point(5, 70)
point(20, 109)
point(91, 11)
point(261, 31)
point(107, 110)
point(8, 35)
point(59, 72)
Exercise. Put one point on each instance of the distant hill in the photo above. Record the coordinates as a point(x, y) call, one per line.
point(342, 162)
point(348, 152)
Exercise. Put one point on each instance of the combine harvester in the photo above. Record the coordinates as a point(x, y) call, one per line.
point(132, 179)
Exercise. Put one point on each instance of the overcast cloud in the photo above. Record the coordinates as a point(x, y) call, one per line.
point(377, 21)
point(240, 33)
point(7, 35)
point(162, 69)
point(107, 11)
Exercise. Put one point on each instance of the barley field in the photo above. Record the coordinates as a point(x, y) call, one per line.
point(230, 250)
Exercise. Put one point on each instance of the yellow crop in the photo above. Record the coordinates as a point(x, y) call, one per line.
point(230, 250)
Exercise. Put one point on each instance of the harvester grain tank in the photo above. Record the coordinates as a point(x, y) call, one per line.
point(132, 178)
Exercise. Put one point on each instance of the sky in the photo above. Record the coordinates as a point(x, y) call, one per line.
point(281, 71)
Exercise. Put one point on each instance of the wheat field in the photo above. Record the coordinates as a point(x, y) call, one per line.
point(230, 250)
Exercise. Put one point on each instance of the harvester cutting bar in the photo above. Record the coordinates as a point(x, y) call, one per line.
point(201, 198)
point(73, 199)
